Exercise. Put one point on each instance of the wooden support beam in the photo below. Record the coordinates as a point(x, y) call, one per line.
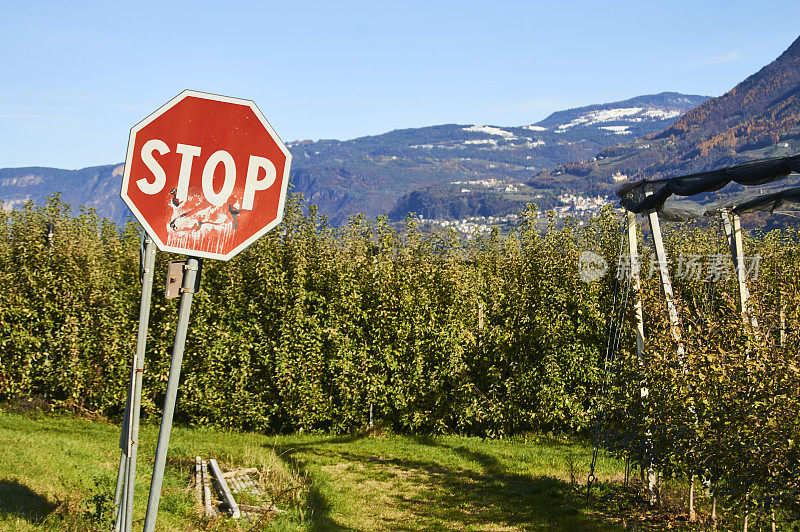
point(783, 323)
point(209, 508)
point(733, 231)
point(666, 283)
point(223, 485)
point(653, 477)
point(636, 283)
point(198, 482)
point(741, 271)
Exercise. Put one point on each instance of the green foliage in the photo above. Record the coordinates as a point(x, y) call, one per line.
point(64, 314)
point(312, 327)
point(726, 410)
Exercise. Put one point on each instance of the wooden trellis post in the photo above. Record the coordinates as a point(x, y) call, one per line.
point(783, 323)
point(674, 321)
point(666, 283)
point(651, 477)
point(633, 250)
point(733, 231)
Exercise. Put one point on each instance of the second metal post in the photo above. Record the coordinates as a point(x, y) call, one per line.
point(189, 287)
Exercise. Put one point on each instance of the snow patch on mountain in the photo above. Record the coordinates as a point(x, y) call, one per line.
point(619, 130)
point(622, 114)
point(493, 142)
point(21, 181)
point(11, 204)
point(490, 130)
point(662, 114)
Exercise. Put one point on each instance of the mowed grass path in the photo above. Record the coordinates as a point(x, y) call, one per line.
point(54, 470)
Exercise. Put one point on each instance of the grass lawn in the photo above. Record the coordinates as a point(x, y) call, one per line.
point(59, 472)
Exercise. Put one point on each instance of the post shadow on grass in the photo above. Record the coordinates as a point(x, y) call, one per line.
point(493, 495)
point(318, 510)
point(290, 450)
point(19, 500)
point(318, 505)
point(453, 498)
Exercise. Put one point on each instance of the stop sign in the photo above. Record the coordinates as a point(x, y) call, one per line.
point(206, 175)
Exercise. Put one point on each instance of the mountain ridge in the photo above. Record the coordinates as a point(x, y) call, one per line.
point(759, 117)
point(371, 174)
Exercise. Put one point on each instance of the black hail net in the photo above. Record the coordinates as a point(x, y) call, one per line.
point(658, 195)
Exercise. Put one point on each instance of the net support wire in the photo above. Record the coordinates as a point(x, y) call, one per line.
point(621, 293)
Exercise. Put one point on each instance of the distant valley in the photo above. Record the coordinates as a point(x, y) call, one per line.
point(455, 171)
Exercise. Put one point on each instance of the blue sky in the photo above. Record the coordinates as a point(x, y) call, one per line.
point(75, 76)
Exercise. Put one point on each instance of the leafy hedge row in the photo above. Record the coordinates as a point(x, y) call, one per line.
point(312, 325)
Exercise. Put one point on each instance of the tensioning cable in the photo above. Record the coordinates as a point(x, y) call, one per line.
point(612, 348)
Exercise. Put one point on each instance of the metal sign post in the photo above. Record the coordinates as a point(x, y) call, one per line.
point(126, 476)
point(189, 288)
point(123, 458)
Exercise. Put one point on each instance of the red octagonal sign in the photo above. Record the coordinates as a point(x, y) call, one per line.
point(206, 175)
